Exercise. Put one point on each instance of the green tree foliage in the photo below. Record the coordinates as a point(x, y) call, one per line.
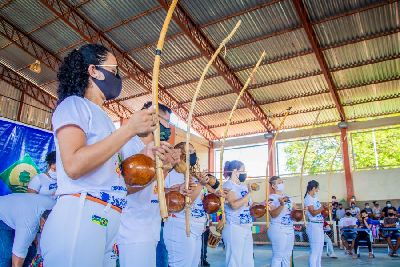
point(321, 153)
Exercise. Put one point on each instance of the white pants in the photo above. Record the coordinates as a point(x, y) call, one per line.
point(282, 239)
point(315, 232)
point(183, 251)
point(80, 232)
point(141, 254)
point(329, 244)
point(238, 242)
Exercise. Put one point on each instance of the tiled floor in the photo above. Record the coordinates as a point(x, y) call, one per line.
point(216, 257)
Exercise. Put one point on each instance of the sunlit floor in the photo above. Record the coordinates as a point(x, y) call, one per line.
point(216, 257)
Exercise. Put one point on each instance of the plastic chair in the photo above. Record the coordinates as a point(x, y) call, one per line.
point(363, 243)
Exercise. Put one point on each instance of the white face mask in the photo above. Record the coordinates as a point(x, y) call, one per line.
point(388, 205)
point(280, 187)
point(52, 174)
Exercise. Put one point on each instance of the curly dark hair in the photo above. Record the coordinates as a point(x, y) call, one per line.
point(230, 166)
point(73, 76)
point(51, 158)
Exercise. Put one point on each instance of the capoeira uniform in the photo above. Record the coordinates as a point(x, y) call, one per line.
point(315, 231)
point(19, 221)
point(281, 233)
point(184, 251)
point(44, 183)
point(140, 227)
point(82, 228)
point(237, 234)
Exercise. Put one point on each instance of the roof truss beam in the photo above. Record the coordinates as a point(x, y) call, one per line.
point(91, 34)
point(206, 48)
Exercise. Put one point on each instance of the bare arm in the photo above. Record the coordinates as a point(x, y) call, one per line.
point(313, 211)
point(237, 203)
point(79, 158)
point(17, 261)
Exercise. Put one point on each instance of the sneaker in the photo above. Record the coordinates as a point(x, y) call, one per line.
point(355, 256)
point(333, 256)
point(394, 254)
point(370, 255)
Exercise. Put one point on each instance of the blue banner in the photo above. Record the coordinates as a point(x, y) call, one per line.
point(23, 151)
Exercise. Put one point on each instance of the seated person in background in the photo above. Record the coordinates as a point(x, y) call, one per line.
point(355, 211)
point(334, 211)
point(376, 211)
point(340, 212)
point(348, 222)
point(364, 222)
point(368, 209)
point(391, 221)
point(385, 209)
point(328, 241)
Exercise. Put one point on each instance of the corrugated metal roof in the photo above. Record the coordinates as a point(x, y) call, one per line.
point(256, 23)
point(308, 119)
point(367, 74)
point(130, 87)
point(275, 47)
point(57, 35)
point(373, 91)
point(300, 104)
point(8, 108)
point(215, 104)
point(360, 24)
point(377, 48)
point(174, 50)
point(36, 114)
point(221, 118)
point(241, 129)
point(26, 14)
point(44, 76)
point(372, 109)
point(14, 57)
point(51, 88)
point(209, 87)
point(283, 69)
point(107, 13)
point(318, 10)
point(295, 88)
point(133, 35)
point(217, 8)
point(185, 71)
point(3, 41)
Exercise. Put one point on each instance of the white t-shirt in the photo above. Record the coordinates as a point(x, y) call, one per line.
point(198, 215)
point(105, 182)
point(284, 218)
point(347, 221)
point(22, 212)
point(313, 201)
point(44, 184)
point(140, 219)
point(242, 215)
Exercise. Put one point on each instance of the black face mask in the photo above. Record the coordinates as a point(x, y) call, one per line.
point(111, 86)
point(348, 214)
point(242, 177)
point(193, 159)
point(165, 133)
point(391, 214)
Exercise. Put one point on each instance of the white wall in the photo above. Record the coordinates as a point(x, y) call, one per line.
point(369, 185)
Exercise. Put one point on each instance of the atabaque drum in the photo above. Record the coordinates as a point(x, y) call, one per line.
point(175, 201)
point(138, 170)
point(214, 237)
point(297, 215)
point(258, 210)
point(211, 203)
